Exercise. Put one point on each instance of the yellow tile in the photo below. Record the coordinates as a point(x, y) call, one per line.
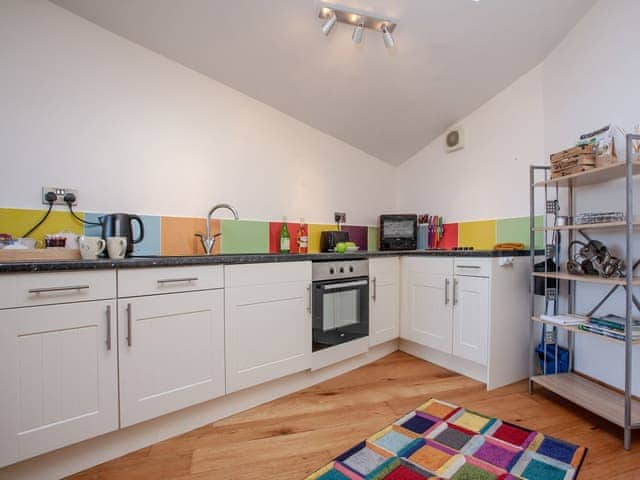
point(314, 235)
point(479, 235)
point(17, 222)
point(472, 422)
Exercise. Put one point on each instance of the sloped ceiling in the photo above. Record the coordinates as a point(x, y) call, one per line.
point(450, 57)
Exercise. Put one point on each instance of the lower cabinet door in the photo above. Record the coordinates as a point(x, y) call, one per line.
point(58, 377)
point(384, 292)
point(471, 318)
point(171, 352)
point(427, 303)
point(268, 332)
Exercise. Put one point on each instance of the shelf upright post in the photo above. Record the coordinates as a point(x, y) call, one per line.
point(571, 285)
point(628, 343)
point(532, 256)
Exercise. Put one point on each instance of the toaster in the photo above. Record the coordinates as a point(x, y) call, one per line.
point(329, 240)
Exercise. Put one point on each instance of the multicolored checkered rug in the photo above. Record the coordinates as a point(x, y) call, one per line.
point(441, 440)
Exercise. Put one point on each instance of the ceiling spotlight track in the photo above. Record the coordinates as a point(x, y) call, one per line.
point(328, 25)
point(357, 33)
point(332, 14)
point(387, 38)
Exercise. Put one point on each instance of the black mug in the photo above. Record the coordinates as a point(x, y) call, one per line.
point(121, 225)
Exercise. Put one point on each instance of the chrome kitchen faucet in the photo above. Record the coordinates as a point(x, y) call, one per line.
point(208, 241)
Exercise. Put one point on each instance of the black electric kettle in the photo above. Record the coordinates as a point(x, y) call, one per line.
point(121, 225)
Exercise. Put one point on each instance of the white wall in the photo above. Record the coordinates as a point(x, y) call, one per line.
point(84, 108)
point(593, 78)
point(489, 178)
point(590, 79)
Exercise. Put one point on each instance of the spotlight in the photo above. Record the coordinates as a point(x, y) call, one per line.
point(386, 36)
point(357, 33)
point(328, 25)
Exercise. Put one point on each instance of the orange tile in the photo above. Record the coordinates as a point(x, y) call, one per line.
point(430, 458)
point(178, 235)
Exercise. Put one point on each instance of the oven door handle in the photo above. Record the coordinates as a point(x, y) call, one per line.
point(335, 286)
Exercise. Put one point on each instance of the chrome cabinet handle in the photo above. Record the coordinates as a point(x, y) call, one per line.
point(129, 336)
point(455, 291)
point(58, 289)
point(177, 280)
point(375, 289)
point(468, 266)
point(446, 291)
point(334, 286)
point(309, 298)
point(108, 342)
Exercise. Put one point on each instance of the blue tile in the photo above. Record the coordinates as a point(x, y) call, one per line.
point(150, 244)
point(422, 237)
point(93, 230)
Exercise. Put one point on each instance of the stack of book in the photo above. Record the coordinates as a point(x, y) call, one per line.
point(611, 326)
point(564, 320)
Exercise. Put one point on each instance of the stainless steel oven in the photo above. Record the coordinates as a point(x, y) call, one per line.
point(340, 302)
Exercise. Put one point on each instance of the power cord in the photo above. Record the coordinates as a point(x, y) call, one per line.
point(50, 197)
point(69, 198)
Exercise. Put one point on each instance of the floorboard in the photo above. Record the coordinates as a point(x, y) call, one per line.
point(292, 436)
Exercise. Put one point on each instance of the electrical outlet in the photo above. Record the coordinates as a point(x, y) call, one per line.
point(340, 217)
point(60, 193)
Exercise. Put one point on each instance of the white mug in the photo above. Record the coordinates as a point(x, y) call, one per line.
point(91, 247)
point(117, 247)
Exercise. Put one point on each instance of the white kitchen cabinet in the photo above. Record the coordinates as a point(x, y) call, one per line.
point(58, 375)
point(426, 313)
point(171, 350)
point(267, 322)
point(468, 315)
point(471, 318)
point(384, 314)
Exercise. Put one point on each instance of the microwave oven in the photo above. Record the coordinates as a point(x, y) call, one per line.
point(398, 232)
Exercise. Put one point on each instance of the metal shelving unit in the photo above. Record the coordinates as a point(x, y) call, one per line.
point(618, 407)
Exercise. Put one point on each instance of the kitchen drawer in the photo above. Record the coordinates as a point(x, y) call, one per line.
point(153, 281)
point(30, 289)
point(266, 273)
point(474, 267)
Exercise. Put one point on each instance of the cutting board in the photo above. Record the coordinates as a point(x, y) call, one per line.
point(28, 255)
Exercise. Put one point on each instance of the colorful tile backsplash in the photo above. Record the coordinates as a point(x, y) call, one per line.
point(176, 235)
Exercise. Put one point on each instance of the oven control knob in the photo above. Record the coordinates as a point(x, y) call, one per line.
point(332, 271)
point(341, 269)
point(351, 268)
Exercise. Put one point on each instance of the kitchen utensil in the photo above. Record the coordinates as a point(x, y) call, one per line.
point(91, 247)
point(121, 225)
point(117, 247)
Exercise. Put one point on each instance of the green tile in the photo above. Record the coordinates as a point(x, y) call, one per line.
point(242, 236)
point(517, 230)
point(373, 239)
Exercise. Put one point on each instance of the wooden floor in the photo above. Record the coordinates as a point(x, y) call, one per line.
point(292, 436)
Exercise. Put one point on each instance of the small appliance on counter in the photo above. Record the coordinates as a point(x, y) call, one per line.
point(399, 232)
point(121, 225)
point(329, 240)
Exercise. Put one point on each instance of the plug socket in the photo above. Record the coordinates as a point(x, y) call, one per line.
point(59, 192)
point(340, 217)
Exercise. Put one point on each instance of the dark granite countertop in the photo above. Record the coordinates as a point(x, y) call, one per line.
point(231, 259)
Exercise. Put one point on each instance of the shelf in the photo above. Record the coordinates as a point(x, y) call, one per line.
point(573, 328)
point(603, 401)
point(591, 177)
point(586, 278)
point(588, 226)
